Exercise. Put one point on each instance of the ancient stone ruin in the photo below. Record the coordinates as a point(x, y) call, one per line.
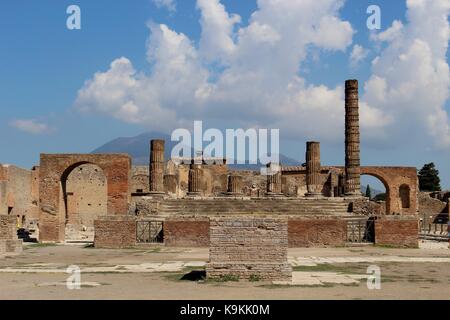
point(252, 248)
point(102, 197)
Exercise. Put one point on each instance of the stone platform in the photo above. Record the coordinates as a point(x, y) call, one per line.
point(251, 248)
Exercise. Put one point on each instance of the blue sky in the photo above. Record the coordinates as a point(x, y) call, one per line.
point(44, 65)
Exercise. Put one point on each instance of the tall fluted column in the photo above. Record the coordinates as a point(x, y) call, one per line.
point(352, 140)
point(313, 169)
point(157, 166)
point(274, 179)
point(194, 182)
point(234, 184)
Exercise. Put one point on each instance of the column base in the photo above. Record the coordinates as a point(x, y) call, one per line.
point(273, 194)
point(233, 194)
point(194, 194)
point(314, 195)
point(355, 194)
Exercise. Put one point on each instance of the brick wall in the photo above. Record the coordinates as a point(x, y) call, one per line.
point(186, 232)
point(249, 247)
point(9, 243)
point(316, 232)
point(115, 232)
point(398, 231)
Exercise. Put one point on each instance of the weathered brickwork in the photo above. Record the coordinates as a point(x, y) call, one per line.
point(9, 243)
point(186, 232)
point(249, 248)
point(115, 232)
point(398, 231)
point(316, 232)
point(54, 170)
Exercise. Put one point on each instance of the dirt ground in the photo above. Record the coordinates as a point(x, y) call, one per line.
point(176, 273)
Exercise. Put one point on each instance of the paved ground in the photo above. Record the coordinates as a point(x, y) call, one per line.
point(163, 273)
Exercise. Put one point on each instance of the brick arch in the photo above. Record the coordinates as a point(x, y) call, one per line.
point(393, 178)
point(55, 168)
point(386, 186)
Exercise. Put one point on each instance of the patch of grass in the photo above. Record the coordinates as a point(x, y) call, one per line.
point(226, 278)
point(254, 278)
point(286, 286)
point(39, 245)
point(343, 268)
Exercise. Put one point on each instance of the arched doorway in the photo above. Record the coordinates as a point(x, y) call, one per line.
point(379, 191)
point(84, 197)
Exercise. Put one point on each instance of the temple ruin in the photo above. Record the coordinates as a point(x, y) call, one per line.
point(103, 198)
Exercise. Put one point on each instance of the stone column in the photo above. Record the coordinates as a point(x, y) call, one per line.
point(156, 166)
point(274, 179)
point(313, 169)
point(194, 188)
point(234, 184)
point(352, 159)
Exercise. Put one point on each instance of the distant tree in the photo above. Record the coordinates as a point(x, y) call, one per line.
point(368, 192)
point(429, 178)
point(380, 197)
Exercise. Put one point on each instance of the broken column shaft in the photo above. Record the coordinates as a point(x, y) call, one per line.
point(194, 187)
point(157, 166)
point(234, 184)
point(313, 169)
point(273, 179)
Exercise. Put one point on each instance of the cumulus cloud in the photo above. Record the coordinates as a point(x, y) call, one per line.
point(358, 54)
point(260, 81)
point(410, 77)
point(168, 4)
point(31, 126)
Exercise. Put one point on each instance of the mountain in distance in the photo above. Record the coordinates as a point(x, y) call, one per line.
point(138, 148)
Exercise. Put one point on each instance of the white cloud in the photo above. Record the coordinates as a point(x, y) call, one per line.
point(358, 54)
point(261, 80)
point(410, 80)
point(217, 30)
point(30, 126)
point(168, 4)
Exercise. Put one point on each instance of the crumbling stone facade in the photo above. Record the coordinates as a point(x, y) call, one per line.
point(8, 235)
point(67, 197)
point(54, 170)
point(253, 248)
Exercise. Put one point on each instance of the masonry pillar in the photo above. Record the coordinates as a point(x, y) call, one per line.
point(157, 166)
point(352, 158)
point(234, 184)
point(194, 188)
point(274, 179)
point(313, 169)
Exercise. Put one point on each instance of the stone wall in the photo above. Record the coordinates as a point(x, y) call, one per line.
point(397, 231)
point(9, 243)
point(316, 232)
point(140, 179)
point(249, 248)
point(15, 193)
point(115, 232)
point(86, 191)
point(368, 207)
point(186, 232)
point(55, 168)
